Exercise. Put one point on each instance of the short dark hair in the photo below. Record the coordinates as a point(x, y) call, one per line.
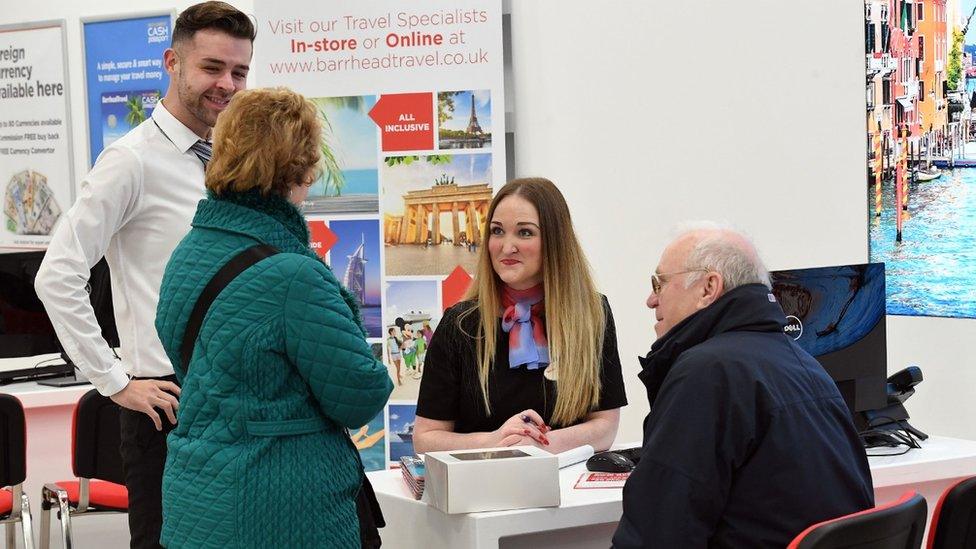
point(213, 15)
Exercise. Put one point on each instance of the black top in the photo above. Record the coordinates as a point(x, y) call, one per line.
point(748, 440)
point(450, 390)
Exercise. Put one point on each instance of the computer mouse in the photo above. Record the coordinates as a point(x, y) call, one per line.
point(633, 454)
point(609, 462)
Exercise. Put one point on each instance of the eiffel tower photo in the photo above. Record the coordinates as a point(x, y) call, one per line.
point(453, 133)
point(473, 127)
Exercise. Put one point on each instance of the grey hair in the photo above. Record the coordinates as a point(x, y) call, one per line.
point(738, 262)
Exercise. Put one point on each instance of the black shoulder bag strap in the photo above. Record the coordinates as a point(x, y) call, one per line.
point(367, 507)
point(237, 265)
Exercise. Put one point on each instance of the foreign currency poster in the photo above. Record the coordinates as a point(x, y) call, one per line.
point(35, 133)
point(124, 74)
point(413, 101)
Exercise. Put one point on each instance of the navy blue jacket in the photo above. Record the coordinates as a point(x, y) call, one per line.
point(748, 440)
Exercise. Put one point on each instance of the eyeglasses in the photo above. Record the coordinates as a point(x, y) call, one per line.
point(659, 280)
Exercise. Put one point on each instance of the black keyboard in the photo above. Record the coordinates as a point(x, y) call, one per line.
point(33, 374)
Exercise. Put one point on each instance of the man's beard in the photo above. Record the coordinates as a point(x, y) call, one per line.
point(194, 104)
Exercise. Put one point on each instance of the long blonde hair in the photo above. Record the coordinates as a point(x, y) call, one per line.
point(575, 318)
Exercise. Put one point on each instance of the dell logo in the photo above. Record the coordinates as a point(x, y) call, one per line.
point(793, 328)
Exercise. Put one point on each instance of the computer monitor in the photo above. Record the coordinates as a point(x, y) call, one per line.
point(25, 329)
point(837, 314)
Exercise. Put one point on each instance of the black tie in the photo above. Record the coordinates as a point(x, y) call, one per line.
point(203, 150)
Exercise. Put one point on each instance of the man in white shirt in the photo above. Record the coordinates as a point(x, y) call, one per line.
point(135, 206)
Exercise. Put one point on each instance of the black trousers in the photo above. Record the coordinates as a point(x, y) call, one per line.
point(143, 457)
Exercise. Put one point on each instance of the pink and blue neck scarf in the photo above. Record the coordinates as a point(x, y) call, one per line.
point(523, 321)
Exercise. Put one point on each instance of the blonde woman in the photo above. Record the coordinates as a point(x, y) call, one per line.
point(530, 355)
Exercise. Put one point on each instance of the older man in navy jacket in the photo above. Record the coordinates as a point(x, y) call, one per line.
point(748, 441)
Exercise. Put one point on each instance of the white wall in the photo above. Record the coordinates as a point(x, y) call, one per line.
point(650, 113)
point(752, 112)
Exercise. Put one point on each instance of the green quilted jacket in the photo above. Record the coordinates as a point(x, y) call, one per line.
point(259, 455)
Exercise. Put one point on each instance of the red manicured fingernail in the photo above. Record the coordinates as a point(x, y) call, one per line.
point(546, 442)
point(525, 431)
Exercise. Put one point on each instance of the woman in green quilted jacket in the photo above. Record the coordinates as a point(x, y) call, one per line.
point(280, 368)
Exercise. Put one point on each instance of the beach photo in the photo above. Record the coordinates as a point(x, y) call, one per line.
point(349, 182)
point(355, 260)
point(123, 111)
point(434, 210)
point(464, 119)
point(370, 440)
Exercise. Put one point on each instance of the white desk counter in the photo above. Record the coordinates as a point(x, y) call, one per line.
point(412, 523)
point(587, 518)
point(940, 458)
point(929, 471)
point(34, 396)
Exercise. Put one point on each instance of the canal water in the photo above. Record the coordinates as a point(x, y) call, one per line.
point(932, 272)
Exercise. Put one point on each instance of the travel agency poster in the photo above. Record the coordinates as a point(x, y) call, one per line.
point(413, 101)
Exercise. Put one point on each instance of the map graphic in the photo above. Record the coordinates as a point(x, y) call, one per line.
point(29, 205)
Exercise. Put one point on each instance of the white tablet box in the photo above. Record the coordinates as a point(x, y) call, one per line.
point(491, 479)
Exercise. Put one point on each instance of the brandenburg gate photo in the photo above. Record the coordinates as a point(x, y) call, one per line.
point(421, 220)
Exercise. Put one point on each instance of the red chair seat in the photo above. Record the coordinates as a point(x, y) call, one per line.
point(6, 502)
point(958, 499)
point(101, 493)
point(899, 523)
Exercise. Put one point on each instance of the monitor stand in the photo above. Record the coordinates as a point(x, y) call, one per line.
point(892, 418)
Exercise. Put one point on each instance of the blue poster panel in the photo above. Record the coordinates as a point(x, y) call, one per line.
point(124, 75)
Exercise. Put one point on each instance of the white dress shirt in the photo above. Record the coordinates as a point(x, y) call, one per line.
point(135, 206)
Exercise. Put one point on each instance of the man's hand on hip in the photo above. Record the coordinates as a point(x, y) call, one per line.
point(144, 395)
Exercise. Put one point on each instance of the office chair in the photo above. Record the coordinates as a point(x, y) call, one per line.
point(97, 462)
point(14, 505)
point(896, 525)
point(954, 520)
